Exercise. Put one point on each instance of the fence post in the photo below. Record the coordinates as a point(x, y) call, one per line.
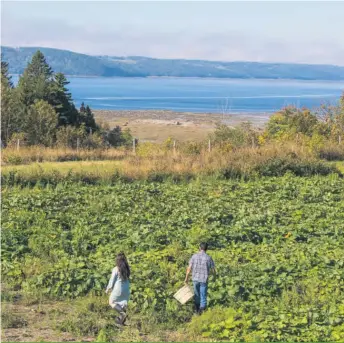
point(77, 144)
point(339, 139)
point(134, 146)
point(174, 147)
point(209, 146)
point(18, 144)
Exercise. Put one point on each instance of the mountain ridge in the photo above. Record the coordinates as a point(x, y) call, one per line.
point(78, 64)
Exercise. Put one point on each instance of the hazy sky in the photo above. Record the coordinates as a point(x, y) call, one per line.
point(279, 31)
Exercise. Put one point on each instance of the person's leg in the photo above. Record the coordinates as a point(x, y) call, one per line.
point(203, 296)
point(121, 310)
point(122, 314)
point(197, 297)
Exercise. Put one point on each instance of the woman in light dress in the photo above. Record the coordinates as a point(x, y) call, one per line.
point(120, 288)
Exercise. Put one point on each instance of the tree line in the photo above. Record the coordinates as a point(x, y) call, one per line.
point(40, 111)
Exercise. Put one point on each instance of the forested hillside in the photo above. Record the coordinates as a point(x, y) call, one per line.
point(71, 63)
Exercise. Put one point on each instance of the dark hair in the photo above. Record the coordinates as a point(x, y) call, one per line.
point(203, 246)
point(123, 266)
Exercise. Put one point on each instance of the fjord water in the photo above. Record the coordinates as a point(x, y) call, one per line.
point(202, 95)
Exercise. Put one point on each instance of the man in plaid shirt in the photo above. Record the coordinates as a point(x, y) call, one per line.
point(201, 265)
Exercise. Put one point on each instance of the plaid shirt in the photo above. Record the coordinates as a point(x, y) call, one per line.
point(200, 264)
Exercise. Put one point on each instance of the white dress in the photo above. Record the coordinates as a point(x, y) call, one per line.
point(120, 289)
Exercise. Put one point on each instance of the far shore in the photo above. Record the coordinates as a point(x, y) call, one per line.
point(158, 125)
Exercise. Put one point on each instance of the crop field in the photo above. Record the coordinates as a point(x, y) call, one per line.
point(278, 244)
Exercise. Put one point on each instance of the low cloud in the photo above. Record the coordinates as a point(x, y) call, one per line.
point(224, 46)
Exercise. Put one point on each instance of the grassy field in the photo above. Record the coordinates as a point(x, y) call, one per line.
point(277, 242)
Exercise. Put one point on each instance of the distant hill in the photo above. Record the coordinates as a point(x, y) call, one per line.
point(71, 63)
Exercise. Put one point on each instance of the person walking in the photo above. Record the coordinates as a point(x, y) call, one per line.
point(201, 265)
point(120, 288)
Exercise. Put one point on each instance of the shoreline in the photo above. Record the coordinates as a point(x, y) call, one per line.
point(199, 78)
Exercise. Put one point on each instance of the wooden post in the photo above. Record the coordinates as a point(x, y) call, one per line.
point(77, 144)
point(18, 144)
point(339, 139)
point(134, 146)
point(174, 147)
point(209, 146)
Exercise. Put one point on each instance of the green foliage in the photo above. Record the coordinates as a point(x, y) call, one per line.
point(277, 243)
point(272, 323)
point(291, 121)
point(23, 110)
point(37, 82)
point(41, 123)
point(11, 109)
point(63, 102)
point(116, 137)
point(280, 166)
point(86, 118)
point(234, 137)
point(314, 130)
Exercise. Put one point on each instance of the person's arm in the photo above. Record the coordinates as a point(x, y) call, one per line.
point(188, 271)
point(112, 280)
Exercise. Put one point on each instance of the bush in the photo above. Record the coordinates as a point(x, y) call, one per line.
point(332, 152)
point(279, 166)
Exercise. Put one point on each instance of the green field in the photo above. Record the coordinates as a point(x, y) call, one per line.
point(278, 245)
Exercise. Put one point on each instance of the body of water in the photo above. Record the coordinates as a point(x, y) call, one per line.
point(201, 95)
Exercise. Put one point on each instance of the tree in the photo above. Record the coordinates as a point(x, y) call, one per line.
point(62, 102)
point(36, 83)
point(12, 110)
point(5, 77)
point(41, 124)
point(87, 118)
point(116, 137)
point(290, 121)
point(235, 136)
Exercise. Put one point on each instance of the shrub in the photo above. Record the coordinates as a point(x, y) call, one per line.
point(332, 152)
point(278, 166)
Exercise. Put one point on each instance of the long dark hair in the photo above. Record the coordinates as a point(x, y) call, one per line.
point(123, 266)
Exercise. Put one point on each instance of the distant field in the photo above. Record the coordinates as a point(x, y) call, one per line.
point(159, 125)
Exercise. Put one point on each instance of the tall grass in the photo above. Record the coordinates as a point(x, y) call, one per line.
point(156, 163)
point(34, 154)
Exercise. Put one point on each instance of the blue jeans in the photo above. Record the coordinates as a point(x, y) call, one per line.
point(200, 290)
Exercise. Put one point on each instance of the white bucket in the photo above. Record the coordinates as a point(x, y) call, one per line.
point(184, 294)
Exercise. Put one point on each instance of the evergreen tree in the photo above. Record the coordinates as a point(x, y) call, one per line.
point(37, 82)
point(82, 108)
point(62, 102)
point(90, 121)
point(87, 118)
point(5, 77)
point(11, 108)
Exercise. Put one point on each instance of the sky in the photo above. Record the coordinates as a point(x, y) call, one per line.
point(270, 31)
